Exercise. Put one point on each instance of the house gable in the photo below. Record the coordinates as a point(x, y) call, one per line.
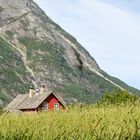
point(51, 100)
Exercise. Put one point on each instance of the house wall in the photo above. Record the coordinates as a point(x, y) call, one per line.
point(51, 100)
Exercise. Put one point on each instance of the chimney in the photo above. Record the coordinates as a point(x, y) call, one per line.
point(42, 89)
point(31, 92)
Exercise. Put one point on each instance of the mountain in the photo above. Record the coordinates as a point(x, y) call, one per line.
point(35, 50)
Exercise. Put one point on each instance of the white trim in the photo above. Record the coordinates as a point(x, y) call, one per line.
point(56, 106)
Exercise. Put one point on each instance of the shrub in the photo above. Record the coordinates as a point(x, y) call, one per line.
point(117, 97)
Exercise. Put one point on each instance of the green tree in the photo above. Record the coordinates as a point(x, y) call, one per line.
point(117, 97)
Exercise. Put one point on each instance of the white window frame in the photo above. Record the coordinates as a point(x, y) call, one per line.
point(45, 106)
point(56, 106)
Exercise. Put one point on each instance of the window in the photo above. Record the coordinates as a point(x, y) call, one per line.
point(45, 106)
point(56, 106)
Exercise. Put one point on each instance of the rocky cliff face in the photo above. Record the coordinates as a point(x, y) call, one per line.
point(35, 50)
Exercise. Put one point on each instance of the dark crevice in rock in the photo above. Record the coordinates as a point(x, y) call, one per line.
point(80, 66)
point(1, 9)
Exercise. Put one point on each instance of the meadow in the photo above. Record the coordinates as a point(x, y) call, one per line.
point(89, 122)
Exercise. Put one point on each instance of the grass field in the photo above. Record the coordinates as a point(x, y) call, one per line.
point(110, 122)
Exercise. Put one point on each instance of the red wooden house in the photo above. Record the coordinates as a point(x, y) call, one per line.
point(36, 102)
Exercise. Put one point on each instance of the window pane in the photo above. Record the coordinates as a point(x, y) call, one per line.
point(56, 106)
point(45, 106)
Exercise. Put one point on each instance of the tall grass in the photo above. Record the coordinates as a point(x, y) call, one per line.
point(77, 123)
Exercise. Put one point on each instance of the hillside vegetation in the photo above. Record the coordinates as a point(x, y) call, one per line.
point(13, 75)
point(15, 78)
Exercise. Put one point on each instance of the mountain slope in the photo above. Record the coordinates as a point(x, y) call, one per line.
point(35, 50)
